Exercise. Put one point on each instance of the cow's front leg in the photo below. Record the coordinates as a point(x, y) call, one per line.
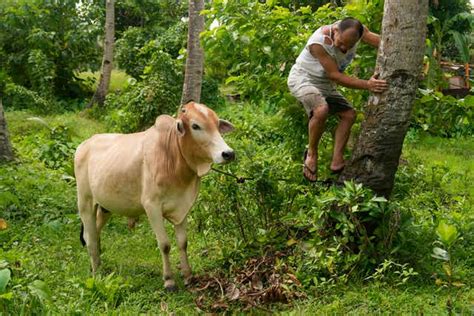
point(155, 216)
point(182, 238)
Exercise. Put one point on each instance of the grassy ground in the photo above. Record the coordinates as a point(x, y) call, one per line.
point(41, 243)
point(119, 80)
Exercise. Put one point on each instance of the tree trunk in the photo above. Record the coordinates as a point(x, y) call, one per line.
point(107, 65)
point(6, 153)
point(195, 60)
point(374, 161)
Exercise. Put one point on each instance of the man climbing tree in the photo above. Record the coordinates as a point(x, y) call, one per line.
point(374, 161)
point(104, 82)
point(195, 59)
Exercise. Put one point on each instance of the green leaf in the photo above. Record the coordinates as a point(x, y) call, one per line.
point(40, 289)
point(5, 276)
point(379, 199)
point(7, 296)
point(462, 45)
point(446, 233)
point(440, 254)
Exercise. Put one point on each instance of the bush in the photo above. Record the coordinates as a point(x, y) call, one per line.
point(137, 107)
point(29, 190)
point(128, 51)
point(41, 45)
point(443, 115)
point(17, 97)
point(136, 47)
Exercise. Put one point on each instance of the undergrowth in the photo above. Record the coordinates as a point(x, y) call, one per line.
point(261, 236)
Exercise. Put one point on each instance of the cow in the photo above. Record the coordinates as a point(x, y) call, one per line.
point(156, 172)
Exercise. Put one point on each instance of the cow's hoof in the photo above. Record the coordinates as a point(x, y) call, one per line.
point(171, 288)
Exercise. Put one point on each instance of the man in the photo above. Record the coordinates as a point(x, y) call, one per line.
point(313, 79)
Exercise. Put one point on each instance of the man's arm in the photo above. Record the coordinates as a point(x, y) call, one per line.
point(371, 38)
point(335, 75)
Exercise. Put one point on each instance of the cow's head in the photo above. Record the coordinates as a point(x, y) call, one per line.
point(200, 131)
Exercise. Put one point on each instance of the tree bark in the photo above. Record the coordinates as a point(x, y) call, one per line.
point(195, 60)
point(375, 158)
point(107, 65)
point(6, 153)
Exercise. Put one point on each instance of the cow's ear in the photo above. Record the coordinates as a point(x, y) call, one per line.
point(225, 126)
point(180, 127)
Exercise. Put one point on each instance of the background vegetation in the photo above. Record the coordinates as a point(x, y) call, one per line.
point(309, 248)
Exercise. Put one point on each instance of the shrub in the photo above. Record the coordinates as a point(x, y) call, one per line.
point(41, 45)
point(128, 51)
point(444, 115)
point(137, 107)
point(20, 98)
point(136, 47)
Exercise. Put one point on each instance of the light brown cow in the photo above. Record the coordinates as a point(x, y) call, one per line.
point(156, 172)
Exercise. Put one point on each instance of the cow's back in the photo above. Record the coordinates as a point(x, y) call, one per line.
point(108, 169)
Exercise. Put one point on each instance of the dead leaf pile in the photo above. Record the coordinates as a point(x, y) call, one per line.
point(260, 281)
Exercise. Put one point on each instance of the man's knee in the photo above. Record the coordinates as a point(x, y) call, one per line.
point(319, 112)
point(348, 115)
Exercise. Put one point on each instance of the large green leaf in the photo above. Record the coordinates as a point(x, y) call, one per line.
point(40, 289)
point(447, 233)
point(462, 45)
point(5, 276)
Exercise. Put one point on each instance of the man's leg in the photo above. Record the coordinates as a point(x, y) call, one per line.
point(343, 130)
point(317, 122)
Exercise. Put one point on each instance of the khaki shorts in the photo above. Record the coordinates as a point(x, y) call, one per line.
point(312, 91)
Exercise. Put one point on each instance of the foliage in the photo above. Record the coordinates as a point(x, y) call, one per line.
point(110, 288)
point(140, 103)
point(23, 297)
point(348, 229)
point(236, 225)
point(20, 98)
point(257, 61)
point(159, 92)
point(148, 14)
point(50, 49)
point(452, 31)
point(447, 236)
point(450, 20)
point(443, 115)
point(136, 47)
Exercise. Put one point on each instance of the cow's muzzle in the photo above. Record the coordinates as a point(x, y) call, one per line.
point(228, 155)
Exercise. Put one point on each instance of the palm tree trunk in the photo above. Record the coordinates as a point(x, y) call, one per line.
point(374, 161)
point(195, 60)
point(107, 65)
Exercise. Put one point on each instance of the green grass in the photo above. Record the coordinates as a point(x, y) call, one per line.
point(119, 80)
point(455, 154)
point(42, 240)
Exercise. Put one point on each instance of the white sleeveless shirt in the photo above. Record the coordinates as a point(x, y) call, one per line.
point(311, 65)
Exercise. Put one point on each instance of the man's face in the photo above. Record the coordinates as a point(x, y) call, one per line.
point(344, 41)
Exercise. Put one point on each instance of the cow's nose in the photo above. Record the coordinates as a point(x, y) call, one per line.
point(228, 155)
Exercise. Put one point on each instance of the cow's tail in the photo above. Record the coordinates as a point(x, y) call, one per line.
point(81, 235)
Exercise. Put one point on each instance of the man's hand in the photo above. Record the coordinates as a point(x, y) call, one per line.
point(376, 85)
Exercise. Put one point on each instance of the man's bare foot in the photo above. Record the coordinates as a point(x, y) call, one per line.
point(310, 166)
point(337, 167)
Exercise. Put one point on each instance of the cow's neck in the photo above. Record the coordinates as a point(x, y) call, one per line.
point(200, 168)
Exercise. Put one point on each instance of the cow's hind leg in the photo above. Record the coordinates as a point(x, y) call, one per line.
point(155, 217)
point(87, 212)
point(182, 239)
point(102, 216)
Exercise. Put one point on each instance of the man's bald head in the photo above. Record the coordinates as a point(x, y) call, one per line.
point(351, 23)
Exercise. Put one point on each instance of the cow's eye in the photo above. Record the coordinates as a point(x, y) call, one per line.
point(196, 127)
